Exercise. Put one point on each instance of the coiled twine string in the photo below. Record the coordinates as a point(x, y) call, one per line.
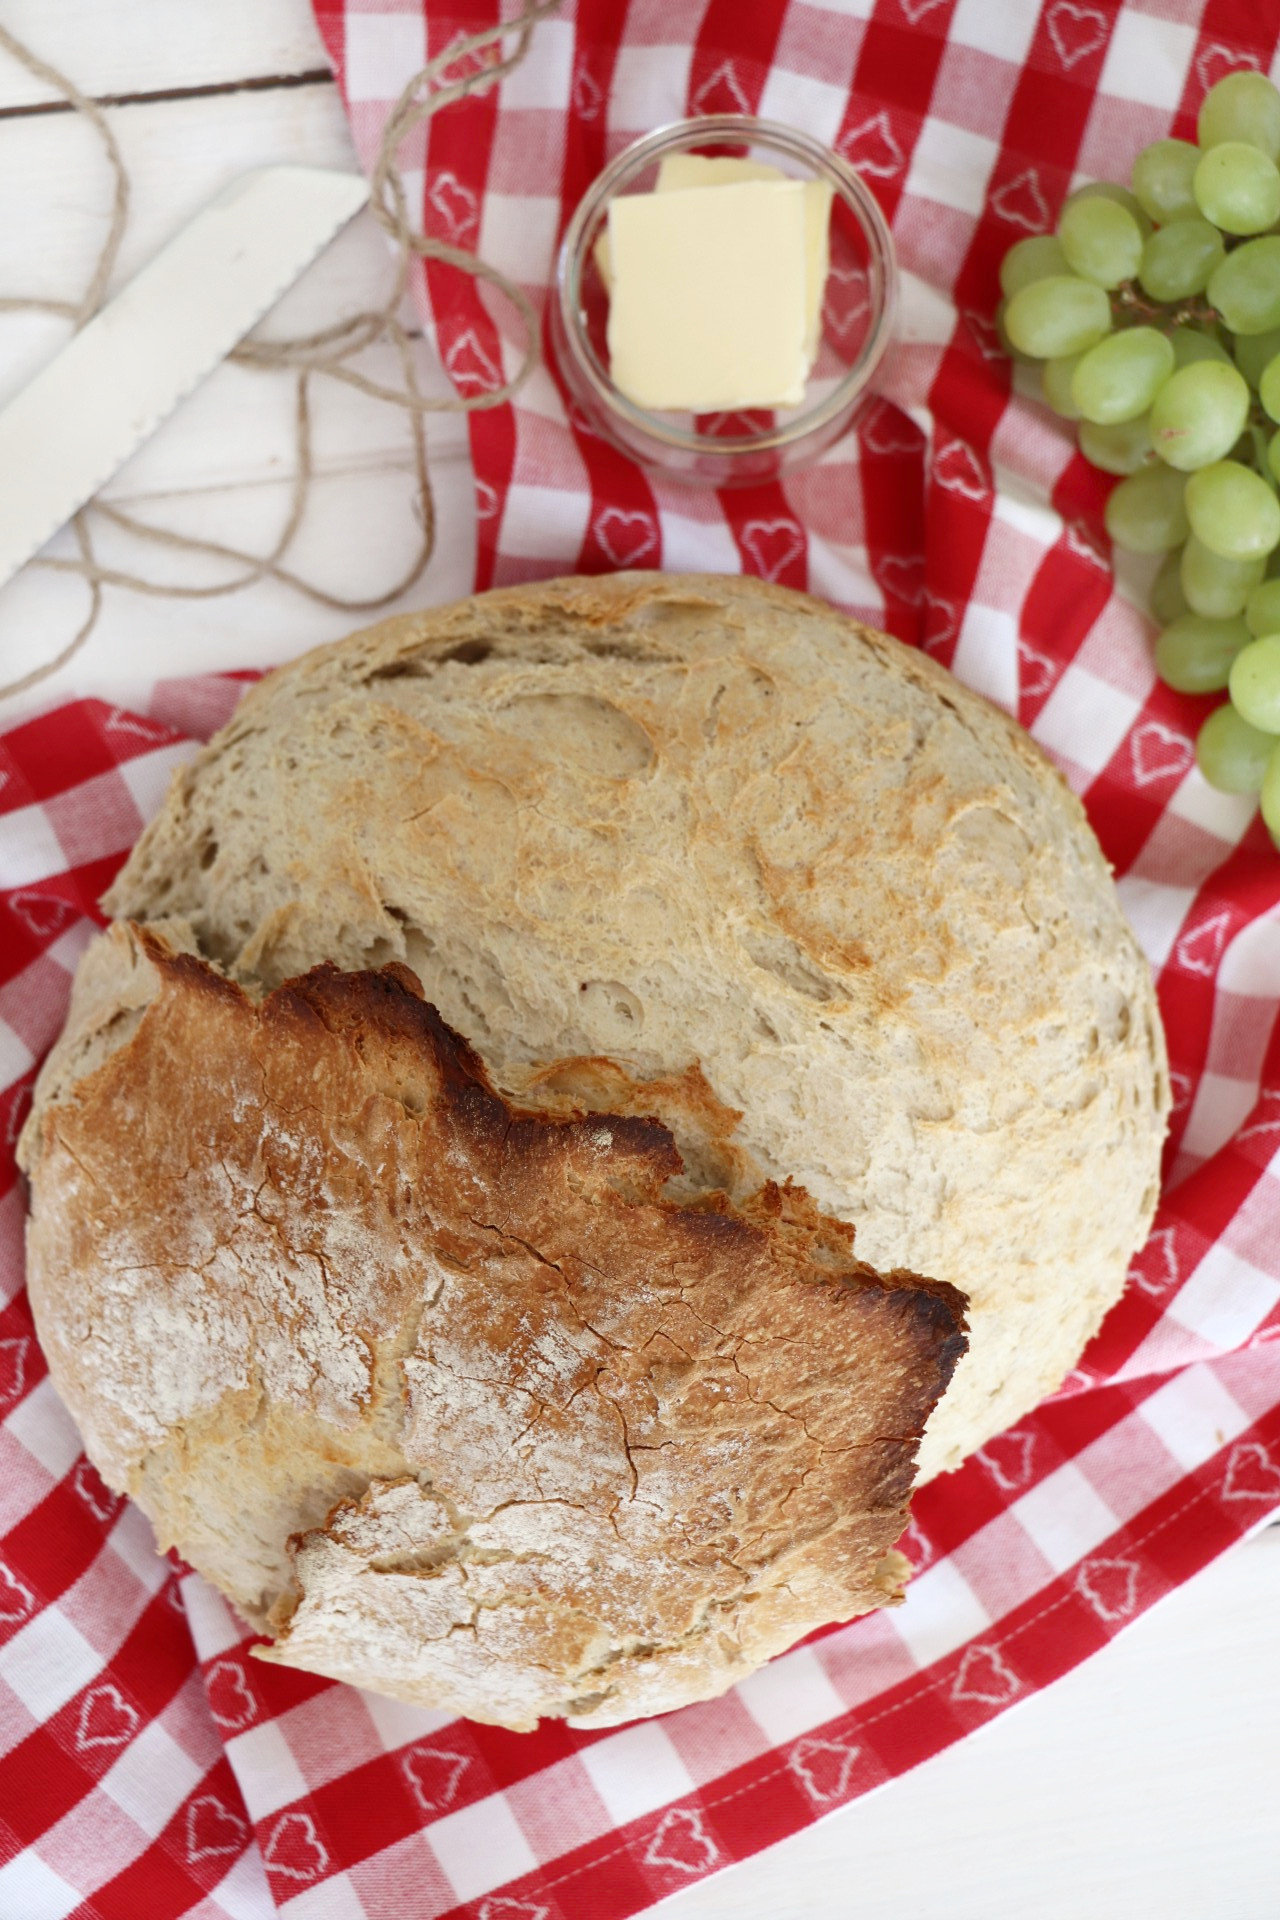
point(325, 354)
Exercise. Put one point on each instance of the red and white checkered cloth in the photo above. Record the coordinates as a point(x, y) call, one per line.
point(147, 1767)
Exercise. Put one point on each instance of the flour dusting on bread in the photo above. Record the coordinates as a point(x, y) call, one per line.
point(450, 1394)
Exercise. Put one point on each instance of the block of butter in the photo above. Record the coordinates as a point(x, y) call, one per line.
point(677, 171)
point(708, 307)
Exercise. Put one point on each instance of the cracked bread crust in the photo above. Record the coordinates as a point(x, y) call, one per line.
point(696, 823)
point(447, 1392)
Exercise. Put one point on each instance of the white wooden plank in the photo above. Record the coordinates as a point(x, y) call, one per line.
point(1141, 1784)
point(239, 424)
point(360, 532)
point(147, 48)
point(216, 467)
point(56, 189)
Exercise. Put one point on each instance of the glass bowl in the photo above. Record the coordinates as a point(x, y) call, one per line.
point(743, 447)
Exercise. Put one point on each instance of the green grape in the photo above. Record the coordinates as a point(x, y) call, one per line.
point(1231, 754)
point(1255, 683)
point(1112, 190)
point(1243, 106)
point(1270, 795)
point(1245, 287)
point(1102, 241)
point(1233, 510)
point(1253, 351)
point(1168, 602)
point(1190, 345)
point(1055, 377)
point(1269, 387)
point(1194, 654)
point(1056, 316)
point(1121, 449)
point(1262, 612)
point(1146, 513)
point(1028, 260)
point(1178, 259)
point(1120, 377)
point(1238, 188)
point(1199, 414)
point(1216, 586)
point(1162, 176)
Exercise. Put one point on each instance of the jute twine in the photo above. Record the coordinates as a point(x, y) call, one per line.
point(475, 62)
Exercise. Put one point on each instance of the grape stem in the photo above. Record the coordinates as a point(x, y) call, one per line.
point(1129, 305)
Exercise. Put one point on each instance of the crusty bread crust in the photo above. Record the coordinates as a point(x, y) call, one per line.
point(685, 847)
point(693, 822)
point(450, 1392)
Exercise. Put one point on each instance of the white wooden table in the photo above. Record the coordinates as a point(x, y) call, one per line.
point(1147, 1783)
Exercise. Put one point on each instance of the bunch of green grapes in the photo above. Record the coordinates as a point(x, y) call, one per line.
point(1156, 314)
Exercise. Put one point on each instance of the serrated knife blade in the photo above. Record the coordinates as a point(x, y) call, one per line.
point(67, 431)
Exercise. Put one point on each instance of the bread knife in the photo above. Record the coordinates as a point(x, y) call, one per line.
point(67, 431)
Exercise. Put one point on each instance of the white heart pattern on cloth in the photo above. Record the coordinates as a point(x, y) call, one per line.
point(1080, 540)
point(1110, 1587)
point(434, 1776)
point(1036, 671)
point(917, 1546)
point(1265, 1118)
point(13, 1369)
point(1159, 752)
point(985, 1677)
point(722, 92)
point(846, 304)
point(1252, 1474)
point(505, 1908)
point(469, 365)
point(985, 334)
point(1215, 62)
point(957, 468)
point(94, 1491)
point(872, 147)
point(1155, 1267)
point(1075, 31)
point(106, 1718)
point(773, 545)
point(455, 203)
point(681, 1841)
point(903, 574)
point(231, 1701)
point(627, 536)
point(1021, 202)
point(212, 1830)
point(17, 1602)
point(295, 1850)
point(118, 721)
point(941, 621)
point(1200, 950)
point(885, 430)
point(1009, 1458)
point(41, 913)
point(824, 1767)
point(587, 97)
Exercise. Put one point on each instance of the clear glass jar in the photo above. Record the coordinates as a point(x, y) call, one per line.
point(744, 447)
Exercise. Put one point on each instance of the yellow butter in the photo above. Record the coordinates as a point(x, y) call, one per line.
point(708, 309)
point(678, 171)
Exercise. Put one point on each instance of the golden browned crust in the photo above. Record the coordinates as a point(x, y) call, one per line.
point(697, 824)
point(547, 1440)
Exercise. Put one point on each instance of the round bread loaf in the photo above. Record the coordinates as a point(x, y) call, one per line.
point(685, 847)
